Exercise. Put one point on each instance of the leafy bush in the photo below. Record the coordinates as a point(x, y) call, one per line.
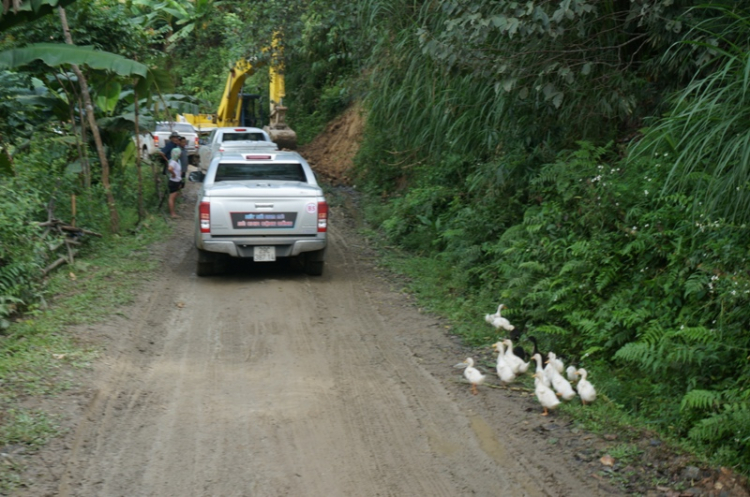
point(21, 253)
point(611, 274)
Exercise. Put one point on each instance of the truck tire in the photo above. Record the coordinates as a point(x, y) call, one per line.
point(207, 263)
point(314, 262)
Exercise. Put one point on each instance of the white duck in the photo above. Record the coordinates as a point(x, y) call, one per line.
point(515, 362)
point(544, 394)
point(561, 385)
point(572, 373)
point(556, 363)
point(540, 370)
point(585, 389)
point(504, 371)
point(498, 321)
point(472, 374)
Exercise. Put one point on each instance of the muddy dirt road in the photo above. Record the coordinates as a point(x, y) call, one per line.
point(268, 382)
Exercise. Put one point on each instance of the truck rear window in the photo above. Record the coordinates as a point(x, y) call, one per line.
point(179, 127)
point(238, 136)
point(280, 171)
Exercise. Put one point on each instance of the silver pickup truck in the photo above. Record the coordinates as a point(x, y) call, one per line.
point(263, 205)
point(223, 139)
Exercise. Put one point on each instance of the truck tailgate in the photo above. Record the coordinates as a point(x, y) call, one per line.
point(264, 209)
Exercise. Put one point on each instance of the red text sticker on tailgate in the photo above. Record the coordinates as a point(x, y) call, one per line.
point(311, 207)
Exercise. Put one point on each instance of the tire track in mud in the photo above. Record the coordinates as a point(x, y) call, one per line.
point(433, 420)
point(119, 391)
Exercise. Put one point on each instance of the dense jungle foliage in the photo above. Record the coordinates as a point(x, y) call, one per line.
point(585, 162)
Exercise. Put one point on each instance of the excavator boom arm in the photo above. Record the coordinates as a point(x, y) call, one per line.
point(229, 108)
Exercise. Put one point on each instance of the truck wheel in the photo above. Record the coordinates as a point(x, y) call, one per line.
point(144, 155)
point(314, 262)
point(314, 268)
point(207, 263)
point(205, 269)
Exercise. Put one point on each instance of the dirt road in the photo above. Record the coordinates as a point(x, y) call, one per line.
point(268, 382)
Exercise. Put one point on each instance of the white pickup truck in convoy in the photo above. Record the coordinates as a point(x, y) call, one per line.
point(239, 138)
point(154, 141)
point(262, 205)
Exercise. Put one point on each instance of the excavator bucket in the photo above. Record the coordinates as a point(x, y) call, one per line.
point(279, 131)
point(284, 138)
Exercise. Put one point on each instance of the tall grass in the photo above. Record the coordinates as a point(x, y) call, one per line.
point(708, 126)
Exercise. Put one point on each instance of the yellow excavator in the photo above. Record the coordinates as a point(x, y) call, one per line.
point(243, 109)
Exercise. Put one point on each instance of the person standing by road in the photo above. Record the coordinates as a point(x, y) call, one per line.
point(174, 169)
point(174, 141)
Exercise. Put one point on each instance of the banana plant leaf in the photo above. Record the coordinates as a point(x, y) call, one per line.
point(108, 95)
point(29, 11)
point(56, 54)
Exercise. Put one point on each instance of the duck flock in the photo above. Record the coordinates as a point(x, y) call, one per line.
point(550, 386)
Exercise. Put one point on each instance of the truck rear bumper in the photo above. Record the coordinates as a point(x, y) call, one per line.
point(244, 247)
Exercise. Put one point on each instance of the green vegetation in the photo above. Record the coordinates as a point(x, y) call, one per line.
point(584, 162)
point(514, 168)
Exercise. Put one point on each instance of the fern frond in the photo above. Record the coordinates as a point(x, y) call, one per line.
point(696, 284)
point(694, 334)
point(574, 266)
point(606, 276)
point(640, 353)
point(637, 246)
point(533, 266)
point(681, 354)
point(733, 421)
point(711, 429)
point(653, 333)
point(700, 399)
point(551, 329)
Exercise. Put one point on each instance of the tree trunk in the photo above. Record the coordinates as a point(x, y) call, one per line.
point(114, 218)
point(141, 209)
point(73, 102)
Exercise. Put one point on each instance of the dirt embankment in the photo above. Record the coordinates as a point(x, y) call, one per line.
point(332, 153)
point(268, 382)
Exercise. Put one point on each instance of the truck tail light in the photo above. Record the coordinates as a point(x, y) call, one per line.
point(156, 141)
point(204, 211)
point(196, 142)
point(322, 217)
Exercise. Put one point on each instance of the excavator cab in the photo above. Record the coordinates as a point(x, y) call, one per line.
point(251, 110)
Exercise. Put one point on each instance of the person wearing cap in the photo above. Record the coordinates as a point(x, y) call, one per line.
point(175, 179)
point(174, 141)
